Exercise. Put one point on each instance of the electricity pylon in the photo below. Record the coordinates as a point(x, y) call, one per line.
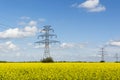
point(46, 40)
point(102, 54)
point(117, 57)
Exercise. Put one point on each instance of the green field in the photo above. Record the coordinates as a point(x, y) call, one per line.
point(59, 71)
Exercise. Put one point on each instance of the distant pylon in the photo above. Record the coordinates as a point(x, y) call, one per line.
point(46, 40)
point(117, 57)
point(102, 50)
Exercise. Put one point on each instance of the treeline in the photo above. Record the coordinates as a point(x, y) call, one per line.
point(3, 61)
point(53, 62)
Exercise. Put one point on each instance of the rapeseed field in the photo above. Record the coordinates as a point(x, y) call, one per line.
point(59, 71)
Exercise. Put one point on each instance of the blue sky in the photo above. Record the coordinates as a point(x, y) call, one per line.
point(82, 26)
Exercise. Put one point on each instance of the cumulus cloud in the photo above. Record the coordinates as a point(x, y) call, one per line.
point(114, 43)
point(18, 33)
point(24, 21)
point(91, 6)
point(11, 46)
point(67, 45)
point(32, 23)
point(29, 30)
point(73, 45)
point(8, 46)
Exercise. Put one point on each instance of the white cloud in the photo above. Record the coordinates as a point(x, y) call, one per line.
point(25, 17)
point(67, 45)
point(98, 9)
point(41, 20)
point(18, 54)
point(8, 46)
point(114, 43)
point(29, 44)
point(38, 46)
point(73, 45)
point(18, 33)
point(29, 30)
point(11, 46)
point(62, 46)
point(22, 23)
point(91, 6)
point(74, 5)
point(32, 23)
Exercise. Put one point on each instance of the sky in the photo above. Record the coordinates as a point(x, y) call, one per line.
point(83, 27)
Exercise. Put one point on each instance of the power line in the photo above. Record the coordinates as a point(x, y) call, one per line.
point(4, 26)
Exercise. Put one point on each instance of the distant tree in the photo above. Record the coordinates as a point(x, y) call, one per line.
point(3, 61)
point(117, 61)
point(47, 60)
point(102, 61)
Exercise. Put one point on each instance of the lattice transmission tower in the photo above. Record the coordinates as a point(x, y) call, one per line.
point(102, 50)
point(46, 40)
point(117, 57)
